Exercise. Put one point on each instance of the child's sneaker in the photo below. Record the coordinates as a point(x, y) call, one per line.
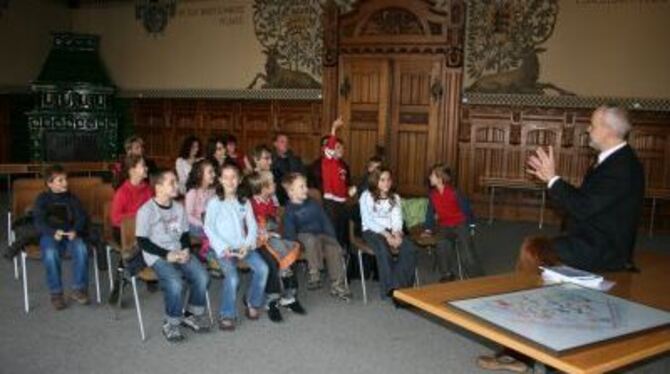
point(339, 290)
point(79, 296)
point(273, 312)
point(295, 307)
point(172, 332)
point(197, 323)
point(58, 301)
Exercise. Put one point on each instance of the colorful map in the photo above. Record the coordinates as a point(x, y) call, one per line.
point(565, 316)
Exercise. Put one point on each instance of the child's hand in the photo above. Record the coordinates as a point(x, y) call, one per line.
point(352, 191)
point(172, 256)
point(58, 235)
point(243, 252)
point(71, 234)
point(339, 122)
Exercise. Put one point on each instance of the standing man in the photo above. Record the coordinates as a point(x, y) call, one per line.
point(284, 162)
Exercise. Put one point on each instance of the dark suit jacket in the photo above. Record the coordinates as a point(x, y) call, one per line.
point(603, 213)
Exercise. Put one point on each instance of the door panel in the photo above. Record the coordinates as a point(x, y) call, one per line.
point(364, 93)
point(415, 114)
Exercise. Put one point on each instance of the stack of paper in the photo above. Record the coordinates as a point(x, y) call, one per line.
point(567, 274)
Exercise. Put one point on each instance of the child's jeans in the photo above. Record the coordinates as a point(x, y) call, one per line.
point(171, 278)
point(52, 250)
point(231, 280)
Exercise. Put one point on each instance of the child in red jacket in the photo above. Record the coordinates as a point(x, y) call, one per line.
point(335, 183)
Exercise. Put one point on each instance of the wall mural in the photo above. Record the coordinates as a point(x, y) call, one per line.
point(155, 14)
point(290, 32)
point(503, 42)
point(566, 53)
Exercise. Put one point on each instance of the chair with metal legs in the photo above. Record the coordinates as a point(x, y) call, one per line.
point(147, 275)
point(361, 248)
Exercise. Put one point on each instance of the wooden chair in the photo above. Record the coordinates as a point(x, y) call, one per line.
point(24, 196)
point(430, 242)
point(362, 247)
point(85, 189)
point(128, 242)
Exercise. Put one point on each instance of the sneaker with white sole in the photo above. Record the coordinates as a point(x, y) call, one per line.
point(198, 323)
point(172, 332)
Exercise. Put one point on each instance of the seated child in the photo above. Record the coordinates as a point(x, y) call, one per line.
point(161, 229)
point(232, 231)
point(60, 221)
point(453, 218)
point(305, 221)
point(200, 188)
point(278, 253)
point(381, 215)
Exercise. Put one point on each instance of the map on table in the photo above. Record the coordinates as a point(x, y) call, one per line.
point(563, 317)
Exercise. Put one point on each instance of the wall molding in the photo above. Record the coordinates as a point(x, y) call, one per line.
point(545, 101)
point(236, 94)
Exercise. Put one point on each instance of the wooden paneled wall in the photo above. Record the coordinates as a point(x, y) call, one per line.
point(495, 141)
point(164, 123)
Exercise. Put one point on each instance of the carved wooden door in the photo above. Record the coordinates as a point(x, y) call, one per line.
point(394, 103)
point(364, 105)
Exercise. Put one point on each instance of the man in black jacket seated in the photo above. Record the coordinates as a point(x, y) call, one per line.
point(603, 213)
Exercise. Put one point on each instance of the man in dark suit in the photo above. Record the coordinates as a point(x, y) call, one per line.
point(603, 213)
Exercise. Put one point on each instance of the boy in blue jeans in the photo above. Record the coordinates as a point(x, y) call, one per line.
point(161, 229)
point(60, 220)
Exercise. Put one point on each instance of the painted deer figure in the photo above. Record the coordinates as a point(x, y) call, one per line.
point(277, 76)
point(523, 79)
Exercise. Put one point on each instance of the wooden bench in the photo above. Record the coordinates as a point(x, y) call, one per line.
point(516, 184)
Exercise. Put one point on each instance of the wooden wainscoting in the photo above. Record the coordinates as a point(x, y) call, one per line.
point(164, 123)
point(494, 143)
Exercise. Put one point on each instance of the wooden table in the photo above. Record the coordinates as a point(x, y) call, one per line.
point(651, 287)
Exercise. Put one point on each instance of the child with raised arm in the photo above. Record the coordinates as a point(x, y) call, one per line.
point(381, 214)
point(335, 183)
point(231, 229)
point(454, 217)
point(307, 222)
point(278, 253)
point(161, 229)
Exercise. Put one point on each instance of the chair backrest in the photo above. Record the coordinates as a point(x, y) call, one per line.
point(84, 188)
point(103, 194)
point(30, 183)
point(128, 239)
point(25, 194)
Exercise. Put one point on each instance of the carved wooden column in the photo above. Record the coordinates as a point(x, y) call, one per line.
point(330, 64)
point(454, 81)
